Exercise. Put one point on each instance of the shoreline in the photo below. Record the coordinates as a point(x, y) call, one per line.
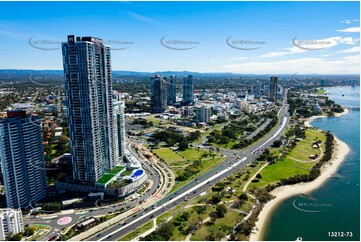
point(313, 118)
point(341, 149)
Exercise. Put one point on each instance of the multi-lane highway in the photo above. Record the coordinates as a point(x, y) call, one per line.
point(199, 185)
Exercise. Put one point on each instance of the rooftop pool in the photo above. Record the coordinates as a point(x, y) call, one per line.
point(137, 174)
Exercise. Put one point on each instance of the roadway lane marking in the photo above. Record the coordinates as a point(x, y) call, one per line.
point(273, 136)
point(178, 197)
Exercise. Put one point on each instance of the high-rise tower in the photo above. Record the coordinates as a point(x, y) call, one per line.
point(171, 90)
point(22, 159)
point(88, 85)
point(158, 94)
point(188, 90)
point(273, 87)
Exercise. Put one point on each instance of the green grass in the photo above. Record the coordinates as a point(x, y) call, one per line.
point(127, 172)
point(168, 155)
point(105, 178)
point(116, 170)
point(207, 165)
point(37, 227)
point(237, 181)
point(281, 169)
point(162, 218)
point(110, 174)
point(193, 154)
point(220, 228)
point(321, 91)
point(137, 232)
point(304, 149)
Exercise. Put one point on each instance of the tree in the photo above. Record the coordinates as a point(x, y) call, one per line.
point(216, 199)
point(221, 210)
point(243, 196)
point(183, 146)
point(213, 216)
point(277, 143)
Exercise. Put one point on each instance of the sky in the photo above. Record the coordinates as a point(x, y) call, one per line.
point(238, 37)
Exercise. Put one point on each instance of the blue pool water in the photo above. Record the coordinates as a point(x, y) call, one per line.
point(136, 174)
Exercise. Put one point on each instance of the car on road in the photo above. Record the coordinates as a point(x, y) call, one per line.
point(99, 235)
point(151, 216)
point(109, 236)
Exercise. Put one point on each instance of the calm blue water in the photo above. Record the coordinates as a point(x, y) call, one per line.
point(335, 207)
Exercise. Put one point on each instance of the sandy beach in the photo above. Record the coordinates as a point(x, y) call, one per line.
point(341, 149)
point(309, 120)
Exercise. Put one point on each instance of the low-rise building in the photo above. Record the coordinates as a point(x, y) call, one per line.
point(11, 222)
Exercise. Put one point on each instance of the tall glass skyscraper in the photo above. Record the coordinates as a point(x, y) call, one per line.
point(88, 85)
point(188, 90)
point(171, 90)
point(22, 159)
point(273, 87)
point(158, 90)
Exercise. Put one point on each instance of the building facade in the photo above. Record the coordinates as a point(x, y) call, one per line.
point(273, 88)
point(11, 222)
point(158, 95)
point(188, 90)
point(88, 86)
point(119, 128)
point(171, 90)
point(22, 159)
point(256, 89)
point(203, 114)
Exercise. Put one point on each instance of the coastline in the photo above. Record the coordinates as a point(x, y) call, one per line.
point(341, 149)
point(310, 119)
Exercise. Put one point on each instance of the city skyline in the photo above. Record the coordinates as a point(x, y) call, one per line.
point(179, 121)
point(212, 37)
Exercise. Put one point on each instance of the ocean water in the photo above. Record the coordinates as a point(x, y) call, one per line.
point(331, 212)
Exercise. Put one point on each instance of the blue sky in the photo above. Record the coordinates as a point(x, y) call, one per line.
point(205, 26)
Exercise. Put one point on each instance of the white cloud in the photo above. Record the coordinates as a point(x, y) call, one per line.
point(350, 50)
point(288, 51)
point(305, 45)
point(352, 58)
point(350, 30)
point(346, 21)
point(345, 65)
point(349, 21)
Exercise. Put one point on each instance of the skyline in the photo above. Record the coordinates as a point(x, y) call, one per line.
point(149, 27)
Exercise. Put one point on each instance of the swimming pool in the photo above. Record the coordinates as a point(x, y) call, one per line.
point(137, 174)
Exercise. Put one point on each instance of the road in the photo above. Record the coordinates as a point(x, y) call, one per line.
point(199, 185)
point(100, 207)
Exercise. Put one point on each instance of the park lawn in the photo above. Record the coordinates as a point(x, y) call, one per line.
point(321, 91)
point(194, 218)
point(155, 121)
point(163, 218)
point(137, 232)
point(207, 165)
point(38, 227)
point(304, 149)
point(168, 155)
point(275, 151)
point(193, 154)
point(282, 169)
point(220, 228)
